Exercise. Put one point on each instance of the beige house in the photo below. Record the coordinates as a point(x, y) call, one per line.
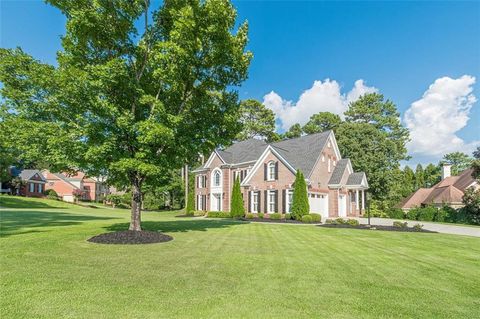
point(449, 191)
point(267, 174)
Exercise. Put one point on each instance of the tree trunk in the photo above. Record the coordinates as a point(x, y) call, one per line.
point(135, 219)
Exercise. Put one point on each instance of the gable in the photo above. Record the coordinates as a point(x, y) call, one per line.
point(214, 161)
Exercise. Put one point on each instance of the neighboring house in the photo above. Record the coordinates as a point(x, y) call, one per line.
point(449, 191)
point(33, 182)
point(68, 185)
point(267, 174)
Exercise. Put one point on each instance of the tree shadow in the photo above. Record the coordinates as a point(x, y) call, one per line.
point(179, 226)
point(15, 222)
point(23, 202)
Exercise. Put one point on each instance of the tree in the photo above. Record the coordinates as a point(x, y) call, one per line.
point(190, 200)
point(459, 161)
point(431, 175)
point(300, 205)
point(471, 200)
point(257, 120)
point(294, 131)
point(408, 181)
point(321, 122)
point(419, 177)
point(476, 169)
point(237, 209)
point(476, 153)
point(131, 103)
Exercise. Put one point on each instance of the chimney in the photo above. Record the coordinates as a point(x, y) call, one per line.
point(446, 171)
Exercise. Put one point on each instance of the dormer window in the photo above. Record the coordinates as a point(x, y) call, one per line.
point(329, 167)
point(323, 158)
point(329, 144)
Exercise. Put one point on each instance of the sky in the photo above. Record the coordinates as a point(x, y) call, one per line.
point(319, 56)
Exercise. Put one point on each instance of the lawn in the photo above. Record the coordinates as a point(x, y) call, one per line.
point(225, 269)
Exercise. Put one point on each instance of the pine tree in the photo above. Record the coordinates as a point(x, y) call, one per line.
point(300, 204)
point(237, 209)
point(419, 177)
point(191, 196)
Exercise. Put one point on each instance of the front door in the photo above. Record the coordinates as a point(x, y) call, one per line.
point(216, 202)
point(342, 205)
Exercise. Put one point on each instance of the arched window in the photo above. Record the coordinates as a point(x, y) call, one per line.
point(271, 171)
point(217, 178)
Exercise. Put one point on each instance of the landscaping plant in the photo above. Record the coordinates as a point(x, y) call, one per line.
point(300, 204)
point(237, 208)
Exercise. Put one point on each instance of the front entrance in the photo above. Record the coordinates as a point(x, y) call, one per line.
point(318, 204)
point(342, 205)
point(216, 202)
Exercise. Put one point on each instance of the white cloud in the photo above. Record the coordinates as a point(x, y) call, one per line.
point(435, 119)
point(323, 96)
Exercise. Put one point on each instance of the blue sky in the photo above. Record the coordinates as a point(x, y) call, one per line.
point(397, 48)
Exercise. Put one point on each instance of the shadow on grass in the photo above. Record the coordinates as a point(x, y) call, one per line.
point(15, 222)
point(178, 226)
point(23, 202)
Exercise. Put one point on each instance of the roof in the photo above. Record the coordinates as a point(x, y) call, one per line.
point(448, 194)
point(355, 178)
point(27, 174)
point(338, 172)
point(416, 198)
point(244, 151)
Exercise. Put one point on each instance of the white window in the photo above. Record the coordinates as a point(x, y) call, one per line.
point(329, 145)
point(271, 201)
point(323, 158)
point(32, 187)
point(334, 162)
point(329, 168)
point(254, 207)
point(289, 201)
point(217, 178)
point(271, 171)
point(199, 202)
point(40, 188)
point(201, 181)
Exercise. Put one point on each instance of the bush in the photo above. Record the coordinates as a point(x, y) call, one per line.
point(375, 211)
point(316, 218)
point(427, 213)
point(237, 209)
point(261, 215)
point(199, 213)
point(396, 213)
point(300, 204)
point(249, 216)
point(307, 219)
point(413, 213)
point(340, 221)
point(275, 216)
point(353, 222)
point(288, 216)
point(400, 224)
point(218, 215)
point(51, 194)
point(330, 221)
point(417, 227)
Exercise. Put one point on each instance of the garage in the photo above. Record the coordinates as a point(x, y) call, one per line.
point(318, 204)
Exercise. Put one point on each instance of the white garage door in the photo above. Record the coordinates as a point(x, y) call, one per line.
point(318, 204)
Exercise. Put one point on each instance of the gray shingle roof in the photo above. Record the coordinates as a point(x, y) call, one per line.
point(355, 178)
point(338, 172)
point(26, 174)
point(244, 151)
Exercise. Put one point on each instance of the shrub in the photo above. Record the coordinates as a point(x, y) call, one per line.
point(288, 216)
point(261, 215)
point(417, 227)
point(353, 222)
point(471, 210)
point(300, 204)
point(218, 214)
point(400, 224)
point(51, 194)
point(396, 213)
point(330, 221)
point(316, 218)
point(250, 216)
point(237, 209)
point(199, 213)
point(307, 219)
point(340, 221)
point(190, 205)
point(427, 213)
point(446, 213)
point(375, 211)
point(275, 216)
point(413, 213)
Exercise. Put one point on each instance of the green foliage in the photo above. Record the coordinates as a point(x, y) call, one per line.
point(237, 208)
point(400, 224)
point(130, 98)
point(459, 161)
point(471, 200)
point(419, 177)
point(374, 209)
point(190, 207)
point(249, 216)
point(300, 205)
point(353, 222)
point(476, 169)
point(288, 216)
point(431, 175)
point(427, 213)
point(294, 131)
point(261, 215)
point(321, 122)
point(412, 214)
point(257, 121)
point(199, 213)
point(316, 218)
point(330, 221)
point(340, 221)
point(417, 227)
point(51, 194)
point(396, 213)
point(218, 214)
point(275, 216)
point(307, 219)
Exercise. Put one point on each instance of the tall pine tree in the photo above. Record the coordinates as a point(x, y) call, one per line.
point(300, 204)
point(237, 209)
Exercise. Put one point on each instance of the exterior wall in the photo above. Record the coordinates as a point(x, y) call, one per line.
point(37, 189)
point(89, 187)
point(320, 176)
point(59, 186)
point(216, 163)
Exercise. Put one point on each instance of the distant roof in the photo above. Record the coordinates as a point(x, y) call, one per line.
point(27, 174)
point(338, 172)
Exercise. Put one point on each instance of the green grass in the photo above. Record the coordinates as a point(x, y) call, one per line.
point(228, 269)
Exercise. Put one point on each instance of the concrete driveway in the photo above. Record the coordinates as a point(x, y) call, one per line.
point(441, 228)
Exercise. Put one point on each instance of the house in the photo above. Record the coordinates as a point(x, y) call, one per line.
point(449, 191)
point(267, 174)
point(33, 183)
point(68, 186)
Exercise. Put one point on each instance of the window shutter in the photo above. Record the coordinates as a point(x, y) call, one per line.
point(249, 208)
point(204, 202)
point(276, 201)
point(259, 193)
point(276, 170)
point(264, 171)
point(266, 201)
point(284, 201)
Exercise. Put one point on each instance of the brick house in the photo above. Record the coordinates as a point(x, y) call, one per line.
point(67, 185)
point(34, 183)
point(267, 173)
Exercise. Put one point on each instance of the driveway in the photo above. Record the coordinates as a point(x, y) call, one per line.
point(441, 228)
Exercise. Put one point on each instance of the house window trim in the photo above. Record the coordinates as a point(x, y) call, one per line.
point(31, 187)
point(288, 202)
point(271, 171)
point(254, 204)
point(213, 176)
point(270, 194)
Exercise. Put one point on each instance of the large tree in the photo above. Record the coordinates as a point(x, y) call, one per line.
point(459, 161)
point(131, 102)
point(257, 121)
point(321, 122)
point(294, 131)
point(419, 177)
point(431, 175)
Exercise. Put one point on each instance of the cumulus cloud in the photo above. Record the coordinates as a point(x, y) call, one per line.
point(323, 96)
point(435, 119)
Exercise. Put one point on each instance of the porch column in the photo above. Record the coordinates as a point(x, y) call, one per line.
point(363, 199)
point(356, 200)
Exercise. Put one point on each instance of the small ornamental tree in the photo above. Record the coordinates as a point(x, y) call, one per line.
point(190, 207)
point(237, 209)
point(300, 204)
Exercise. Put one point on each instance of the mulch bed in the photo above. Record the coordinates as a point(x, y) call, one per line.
point(384, 228)
point(130, 237)
point(276, 221)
